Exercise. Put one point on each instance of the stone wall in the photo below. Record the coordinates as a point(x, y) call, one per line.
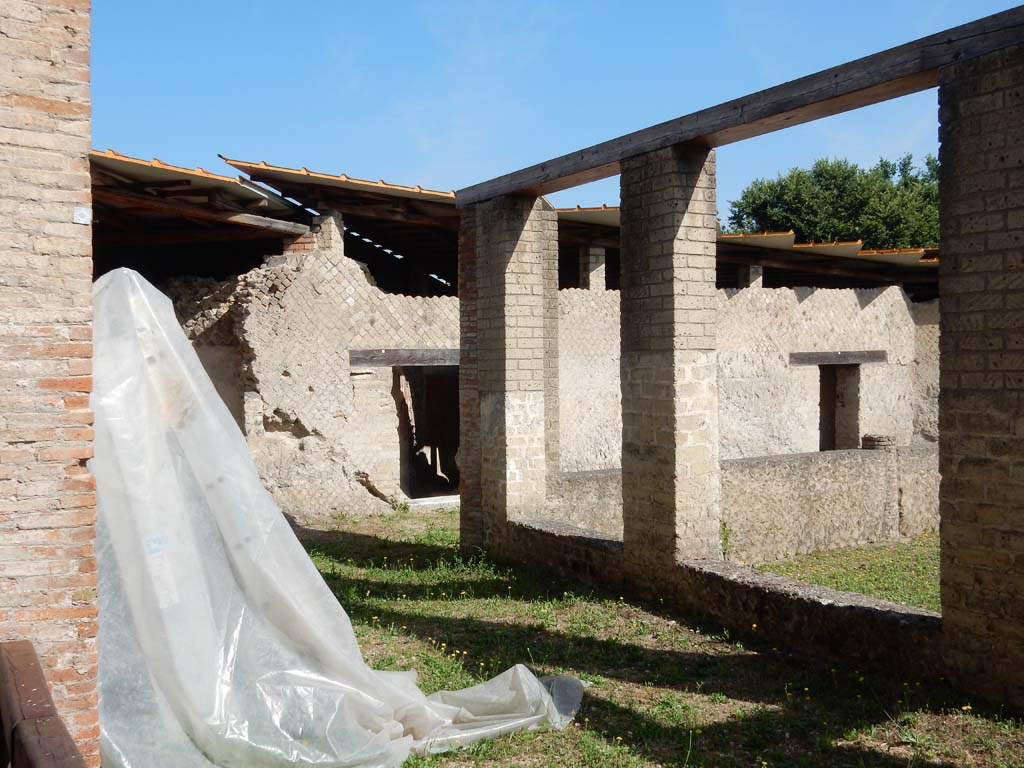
point(325, 434)
point(772, 407)
point(774, 507)
point(766, 406)
point(839, 626)
point(47, 501)
point(918, 473)
point(981, 279)
point(588, 379)
point(591, 500)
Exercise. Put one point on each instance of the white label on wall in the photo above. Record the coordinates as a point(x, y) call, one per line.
point(82, 215)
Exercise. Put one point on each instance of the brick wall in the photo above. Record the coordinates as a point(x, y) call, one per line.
point(981, 427)
point(670, 484)
point(471, 525)
point(47, 502)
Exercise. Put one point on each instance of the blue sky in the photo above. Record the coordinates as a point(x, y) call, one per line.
point(446, 94)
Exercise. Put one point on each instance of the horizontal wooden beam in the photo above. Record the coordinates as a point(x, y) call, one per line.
point(141, 238)
point(889, 277)
point(391, 214)
point(895, 72)
point(122, 199)
point(839, 358)
point(33, 735)
point(409, 357)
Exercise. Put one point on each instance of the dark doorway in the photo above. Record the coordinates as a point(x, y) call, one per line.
point(428, 401)
point(839, 419)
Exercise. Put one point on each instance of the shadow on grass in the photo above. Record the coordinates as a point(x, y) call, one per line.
point(364, 550)
point(785, 710)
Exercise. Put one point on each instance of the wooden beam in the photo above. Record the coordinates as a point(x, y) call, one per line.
point(895, 72)
point(142, 238)
point(409, 357)
point(839, 358)
point(889, 277)
point(33, 734)
point(195, 212)
point(398, 216)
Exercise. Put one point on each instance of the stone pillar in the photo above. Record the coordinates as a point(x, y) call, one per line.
point(670, 472)
point(471, 526)
point(749, 277)
point(981, 401)
point(592, 267)
point(516, 256)
point(548, 241)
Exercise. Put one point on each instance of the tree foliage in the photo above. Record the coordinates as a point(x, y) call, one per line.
point(890, 205)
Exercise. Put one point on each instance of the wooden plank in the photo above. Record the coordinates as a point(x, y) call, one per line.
point(196, 212)
point(44, 743)
point(33, 734)
point(24, 693)
point(410, 357)
point(839, 358)
point(869, 80)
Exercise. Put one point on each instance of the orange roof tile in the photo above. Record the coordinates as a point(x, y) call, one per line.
point(268, 171)
point(156, 163)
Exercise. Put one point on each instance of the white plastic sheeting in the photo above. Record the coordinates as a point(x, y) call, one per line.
point(220, 644)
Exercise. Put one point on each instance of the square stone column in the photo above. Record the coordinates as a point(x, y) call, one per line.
point(592, 267)
point(508, 366)
point(670, 472)
point(981, 401)
point(471, 525)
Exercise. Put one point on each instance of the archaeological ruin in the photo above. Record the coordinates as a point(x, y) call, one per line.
point(623, 394)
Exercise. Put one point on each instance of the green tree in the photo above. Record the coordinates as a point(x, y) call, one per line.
point(890, 205)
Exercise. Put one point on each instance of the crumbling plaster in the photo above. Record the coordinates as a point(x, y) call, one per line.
point(325, 435)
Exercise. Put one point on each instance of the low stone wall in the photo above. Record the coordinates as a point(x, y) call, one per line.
point(760, 606)
point(592, 500)
point(918, 471)
point(778, 506)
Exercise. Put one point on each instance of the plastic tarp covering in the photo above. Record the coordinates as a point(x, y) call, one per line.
point(220, 644)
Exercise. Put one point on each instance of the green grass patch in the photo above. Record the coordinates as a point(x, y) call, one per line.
point(907, 572)
point(663, 692)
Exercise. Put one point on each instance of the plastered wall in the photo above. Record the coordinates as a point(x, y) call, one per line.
point(766, 405)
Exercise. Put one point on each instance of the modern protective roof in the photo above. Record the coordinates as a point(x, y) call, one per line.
point(190, 185)
point(608, 216)
point(263, 171)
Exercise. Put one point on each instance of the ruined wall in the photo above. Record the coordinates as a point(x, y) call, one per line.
point(47, 499)
point(766, 406)
point(325, 434)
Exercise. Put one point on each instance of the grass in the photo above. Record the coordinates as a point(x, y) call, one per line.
point(663, 693)
point(907, 572)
